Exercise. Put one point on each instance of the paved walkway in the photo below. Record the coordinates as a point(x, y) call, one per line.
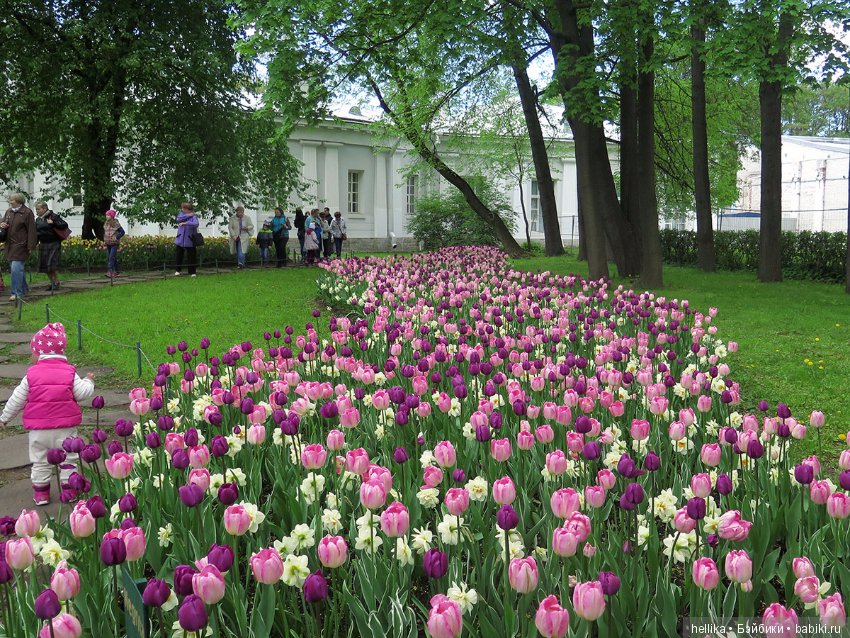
point(15, 487)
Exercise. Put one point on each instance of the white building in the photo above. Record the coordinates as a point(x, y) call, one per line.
point(351, 168)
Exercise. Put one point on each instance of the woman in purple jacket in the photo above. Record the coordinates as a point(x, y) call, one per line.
point(187, 225)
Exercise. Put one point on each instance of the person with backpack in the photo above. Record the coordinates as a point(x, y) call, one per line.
point(51, 230)
point(265, 239)
point(187, 226)
point(112, 234)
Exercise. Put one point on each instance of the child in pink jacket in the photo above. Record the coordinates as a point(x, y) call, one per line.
point(49, 396)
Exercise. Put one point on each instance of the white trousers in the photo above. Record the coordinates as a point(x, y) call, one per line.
point(40, 442)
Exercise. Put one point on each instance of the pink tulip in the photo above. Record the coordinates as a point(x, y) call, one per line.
point(200, 477)
point(357, 461)
point(779, 621)
point(831, 611)
point(676, 431)
point(372, 494)
point(658, 405)
point(607, 479)
point(445, 619)
point(134, 540)
point(432, 476)
point(578, 524)
point(140, 407)
point(564, 542)
point(594, 496)
point(237, 521)
point(544, 434)
point(807, 589)
point(199, 456)
point(588, 600)
point(739, 566)
point(349, 418)
point(564, 502)
point(266, 565)
point(173, 441)
point(687, 416)
point(798, 430)
point(63, 626)
point(802, 567)
point(556, 463)
point(814, 462)
point(639, 429)
point(552, 620)
point(28, 523)
point(816, 420)
point(65, 582)
point(445, 454)
point(563, 416)
point(119, 465)
point(313, 456)
point(838, 505)
point(381, 399)
point(732, 527)
point(82, 522)
point(255, 435)
point(844, 460)
point(395, 520)
point(705, 573)
point(504, 491)
point(208, 584)
point(381, 474)
point(19, 553)
point(335, 440)
point(683, 523)
point(524, 440)
point(575, 441)
point(457, 501)
point(819, 492)
point(710, 454)
point(424, 410)
point(701, 485)
point(332, 551)
point(523, 575)
point(500, 449)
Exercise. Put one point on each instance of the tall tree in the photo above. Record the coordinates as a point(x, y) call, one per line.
point(138, 104)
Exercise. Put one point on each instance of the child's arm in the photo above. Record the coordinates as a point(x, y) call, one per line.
point(83, 388)
point(16, 402)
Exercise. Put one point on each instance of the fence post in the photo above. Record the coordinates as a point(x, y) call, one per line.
point(79, 335)
point(139, 356)
point(47, 312)
point(216, 266)
point(163, 270)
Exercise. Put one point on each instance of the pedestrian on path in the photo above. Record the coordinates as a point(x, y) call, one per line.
point(280, 232)
point(49, 396)
point(112, 234)
point(20, 240)
point(51, 230)
point(184, 243)
point(339, 230)
point(240, 229)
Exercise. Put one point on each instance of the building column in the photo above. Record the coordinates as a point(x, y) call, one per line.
point(310, 171)
point(398, 195)
point(331, 185)
point(381, 213)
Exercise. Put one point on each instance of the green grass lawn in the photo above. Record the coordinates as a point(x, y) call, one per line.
point(794, 337)
point(227, 309)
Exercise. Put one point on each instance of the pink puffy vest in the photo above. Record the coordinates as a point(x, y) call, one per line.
point(50, 402)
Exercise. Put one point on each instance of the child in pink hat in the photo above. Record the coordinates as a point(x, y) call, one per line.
point(48, 396)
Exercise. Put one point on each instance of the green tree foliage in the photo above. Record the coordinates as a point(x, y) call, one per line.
point(446, 219)
point(137, 104)
point(820, 110)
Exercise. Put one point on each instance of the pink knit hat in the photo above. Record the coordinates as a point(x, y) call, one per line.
point(111, 213)
point(49, 340)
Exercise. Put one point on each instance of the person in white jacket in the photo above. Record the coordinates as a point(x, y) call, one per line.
point(241, 229)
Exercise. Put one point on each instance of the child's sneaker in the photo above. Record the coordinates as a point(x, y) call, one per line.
point(41, 494)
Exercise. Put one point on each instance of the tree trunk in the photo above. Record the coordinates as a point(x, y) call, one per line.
point(582, 244)
point(651, 272)
point(630, 184)
point(593, 233)
point(770, 108)
point(545, 184)
point(699, 130)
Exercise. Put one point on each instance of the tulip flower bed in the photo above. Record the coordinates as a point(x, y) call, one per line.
point(473, 451)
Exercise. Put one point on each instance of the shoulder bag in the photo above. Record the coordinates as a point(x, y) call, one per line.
point(197, 239)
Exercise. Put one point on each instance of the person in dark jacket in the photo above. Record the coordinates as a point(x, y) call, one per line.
point(265, 239)
point(187, 225)
point(280, 232)
point(299, 226)
point(21, 240)
point(48, 225)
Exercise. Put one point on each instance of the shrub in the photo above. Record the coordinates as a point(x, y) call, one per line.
point(447, 220)
point(805, 255)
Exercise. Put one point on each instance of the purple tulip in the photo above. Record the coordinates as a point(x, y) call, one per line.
point(56, 455)
point(696, 509)
point(7, 525)
point(190, 495)
point(190, 437)
point(6, 573)
point(221, 556)
point(114, 447)
point(218, 446)
point(152, 440)
point(246, 406)
point(179, 459)
point(156, 403)
point(764, 406)
point(192, 613)
point(123, 427)
point(73, 445)
point(591, 451)
point(183, 580)
point(96, 506)
point(47, 605)
point(400, 455)
point(228, 493)
point(724, 484)
point(844, 480)
point(458, 475)
point(315, 588)
point(99, 436)
point(435, 563)
point(128, 523)
point(113, 551)
point(803, 473)
point(507, 518)
point(651, 462)
point(755, 450)
point(156, 593)
point(712, 540)
point(165, 422)
point(782, 411)
point(610, 583)
point(127, 503)
point(98, 402)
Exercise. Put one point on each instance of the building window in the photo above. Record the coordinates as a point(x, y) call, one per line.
point(411, 194)
point(535, 205)
point(354, 179)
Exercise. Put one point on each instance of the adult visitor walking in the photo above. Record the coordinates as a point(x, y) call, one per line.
point(51, 230)
point(280, 235)
point(112, 234)
point(311, 239)
point(184, 243)
point(18, 226)
point(241, 229)
point(299, 226)
point(327, 237)
point(339, 230)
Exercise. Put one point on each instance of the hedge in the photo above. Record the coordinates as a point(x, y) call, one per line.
point(805, 255)
point(145, 252)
